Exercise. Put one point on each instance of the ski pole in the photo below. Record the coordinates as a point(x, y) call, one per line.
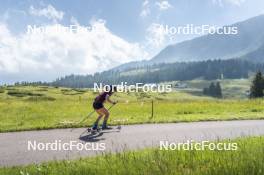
point(91, 113)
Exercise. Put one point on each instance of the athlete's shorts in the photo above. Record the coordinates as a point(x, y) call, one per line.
point(97, 105)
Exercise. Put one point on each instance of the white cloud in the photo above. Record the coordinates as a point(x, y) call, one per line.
point(156, 35)
point(145, 9)
point(228, 2)
point(6, 43)
point(74, 21)
point(49, 12)
point(163, 5)
point(48, 56)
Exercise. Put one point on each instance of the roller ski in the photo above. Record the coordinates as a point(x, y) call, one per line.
point(115, 128)
point(94, 130)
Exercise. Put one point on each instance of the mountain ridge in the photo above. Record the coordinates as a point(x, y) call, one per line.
point(250, 36)
point(209, 47)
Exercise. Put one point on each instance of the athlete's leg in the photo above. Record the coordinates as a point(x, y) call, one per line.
point(95, 125)
point(106, 116)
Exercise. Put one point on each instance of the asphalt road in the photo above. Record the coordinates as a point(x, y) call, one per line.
point(16, 148)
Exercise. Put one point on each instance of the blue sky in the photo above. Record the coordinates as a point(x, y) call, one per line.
point(123, 16)
point(130, 32)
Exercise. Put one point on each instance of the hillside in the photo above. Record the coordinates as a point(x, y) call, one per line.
point(208, 70)
point(256, 56)
point(249, 38)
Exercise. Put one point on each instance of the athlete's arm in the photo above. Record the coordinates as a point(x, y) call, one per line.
point(109, 100)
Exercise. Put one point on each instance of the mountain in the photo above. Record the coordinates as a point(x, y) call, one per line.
point(131, 65)
point(249, 38)
point(256, 56)
point(189, 58)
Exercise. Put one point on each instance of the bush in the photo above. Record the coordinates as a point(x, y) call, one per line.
point(2, 90)
point(11, 88)
point(41, 98)
point(70, 92)
point(143, 95)
point(80, 90)
point(18, 93)
point(42, 88)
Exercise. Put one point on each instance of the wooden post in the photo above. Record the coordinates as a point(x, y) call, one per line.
point(152, 109)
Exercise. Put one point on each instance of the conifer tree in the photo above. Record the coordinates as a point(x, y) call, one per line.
point(257, 86)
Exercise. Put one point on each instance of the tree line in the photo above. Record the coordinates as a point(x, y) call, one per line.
point(209, 70)
point(156, 73)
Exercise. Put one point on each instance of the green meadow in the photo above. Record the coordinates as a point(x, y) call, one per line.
point(41, 107)
point(247, 159)
point(232, 88)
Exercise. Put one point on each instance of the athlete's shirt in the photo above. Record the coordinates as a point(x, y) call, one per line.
point(102, 97)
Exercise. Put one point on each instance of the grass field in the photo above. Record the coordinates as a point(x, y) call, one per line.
point(248, 159)
point(27, 108)
point(232, 88)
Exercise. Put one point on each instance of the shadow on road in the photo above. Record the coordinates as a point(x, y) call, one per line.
point(92, 137)
point(95, 137)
